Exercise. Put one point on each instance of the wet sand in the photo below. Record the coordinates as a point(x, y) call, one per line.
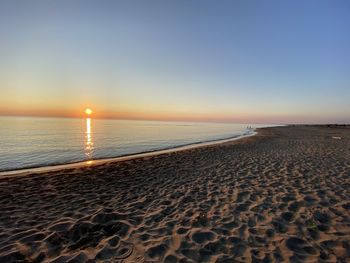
point(282, 195)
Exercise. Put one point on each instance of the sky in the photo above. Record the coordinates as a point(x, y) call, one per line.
point(227, 61)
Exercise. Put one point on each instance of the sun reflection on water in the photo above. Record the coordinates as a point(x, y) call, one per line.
point(89, 145)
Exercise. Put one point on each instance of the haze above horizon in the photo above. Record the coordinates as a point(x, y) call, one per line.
point(235, 61)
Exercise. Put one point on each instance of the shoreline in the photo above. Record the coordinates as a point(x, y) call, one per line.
point(96, 162)
point(282, 195)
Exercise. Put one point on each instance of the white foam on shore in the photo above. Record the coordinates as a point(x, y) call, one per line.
point(27, 171)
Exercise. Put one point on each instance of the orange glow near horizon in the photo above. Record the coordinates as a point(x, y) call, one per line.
point(157, 114)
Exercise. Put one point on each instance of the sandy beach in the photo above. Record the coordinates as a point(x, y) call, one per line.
point(282, 195)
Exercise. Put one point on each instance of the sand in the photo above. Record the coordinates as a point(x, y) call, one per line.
point(282, 195)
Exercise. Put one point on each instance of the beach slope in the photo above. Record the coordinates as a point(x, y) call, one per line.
point(282, 195)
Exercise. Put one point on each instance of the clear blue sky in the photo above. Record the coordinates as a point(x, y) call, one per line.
point(251, 61)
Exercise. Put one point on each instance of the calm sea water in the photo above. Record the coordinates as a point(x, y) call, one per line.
point(34, 142)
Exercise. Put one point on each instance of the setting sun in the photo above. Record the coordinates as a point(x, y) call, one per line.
point(161, 131)
point(88, 111)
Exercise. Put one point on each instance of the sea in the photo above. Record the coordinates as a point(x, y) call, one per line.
point(28, 142)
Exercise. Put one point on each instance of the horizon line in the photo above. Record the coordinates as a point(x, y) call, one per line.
point(134, 119)
point(172, 120)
